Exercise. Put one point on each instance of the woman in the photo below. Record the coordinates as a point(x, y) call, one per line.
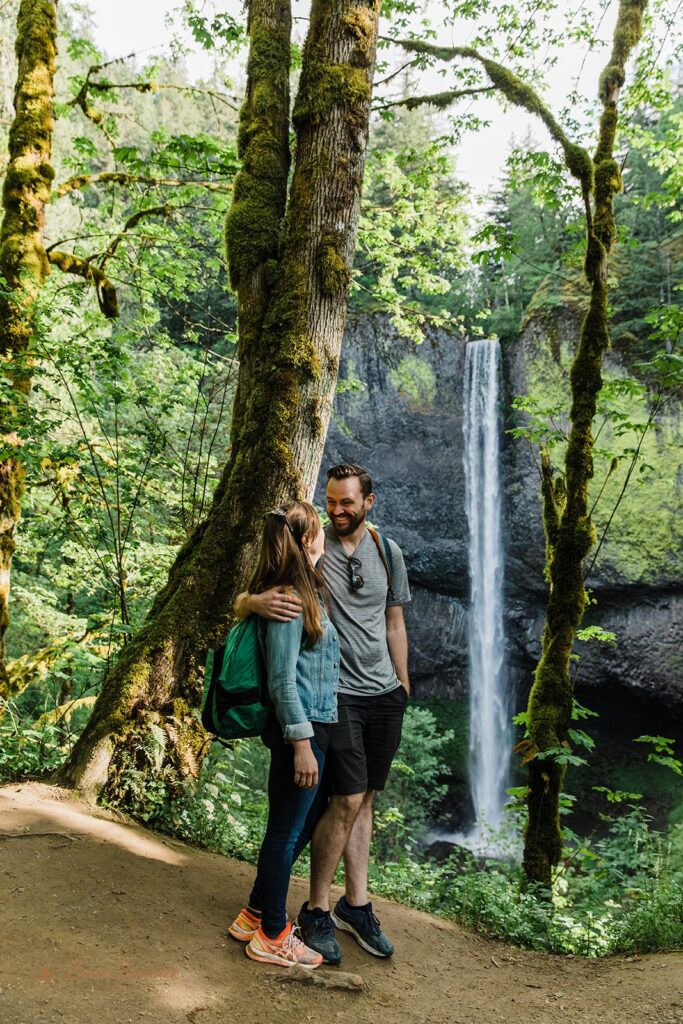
point(302, 660)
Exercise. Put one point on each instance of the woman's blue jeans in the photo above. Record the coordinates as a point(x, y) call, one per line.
point(293, 813)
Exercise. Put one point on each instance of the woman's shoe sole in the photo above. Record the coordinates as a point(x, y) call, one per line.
point(242, 936)
point(264, 958)
point(344, 926)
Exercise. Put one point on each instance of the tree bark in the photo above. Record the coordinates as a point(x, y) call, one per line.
point(292, 277)
point(23, 263)
point(569, 531)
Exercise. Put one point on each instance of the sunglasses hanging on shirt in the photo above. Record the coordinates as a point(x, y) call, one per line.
point(355, 578)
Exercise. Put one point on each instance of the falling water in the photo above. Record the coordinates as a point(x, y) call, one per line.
point(490, 730)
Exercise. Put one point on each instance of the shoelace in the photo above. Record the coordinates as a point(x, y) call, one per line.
point(373, 922)
point(325, 923)
point(294, 939)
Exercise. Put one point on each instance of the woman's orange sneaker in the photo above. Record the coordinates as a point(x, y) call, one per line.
point(286, 950)
point(245, 926)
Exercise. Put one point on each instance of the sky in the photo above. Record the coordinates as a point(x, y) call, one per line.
point(140, 25)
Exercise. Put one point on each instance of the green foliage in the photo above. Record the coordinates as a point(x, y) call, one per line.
point(207, 31)
point(617, 894)
point(655, 924)
point(38, 730)
point(26, 751)
point(561, 755)
point(410, 237)
point(226, 811)
point(416, 380)
point(125, 434)
point(416, 786)
point(662, 752)
point(634, 488)
point(122, 449)
point(658, 143)
point(530, 239)
point(528, 236)
point(616, 796)
point(597, 633)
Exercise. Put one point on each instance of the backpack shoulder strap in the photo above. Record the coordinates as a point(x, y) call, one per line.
point(385, 554)
point(320, 564)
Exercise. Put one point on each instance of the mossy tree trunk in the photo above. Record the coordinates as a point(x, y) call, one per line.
point(23, 262)
point(290, 264)
point(569, 531)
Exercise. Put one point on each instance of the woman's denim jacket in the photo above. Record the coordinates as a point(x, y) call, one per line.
point(302, 680)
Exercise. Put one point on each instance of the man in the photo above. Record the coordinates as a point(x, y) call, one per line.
point(367, 611)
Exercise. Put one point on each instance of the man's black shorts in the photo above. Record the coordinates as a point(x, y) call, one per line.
point(364, 740)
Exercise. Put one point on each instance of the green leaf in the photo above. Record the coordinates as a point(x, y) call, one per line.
point(597, 633)
point(581, 739)
point(616, 796)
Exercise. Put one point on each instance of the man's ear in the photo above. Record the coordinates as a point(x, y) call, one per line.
point(369, 501)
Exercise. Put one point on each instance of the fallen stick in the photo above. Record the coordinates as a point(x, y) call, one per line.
point(30, 835)
point(325, 979)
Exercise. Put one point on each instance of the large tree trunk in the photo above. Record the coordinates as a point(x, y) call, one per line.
point(569, 531)
point(292, 282)
point(23, 263)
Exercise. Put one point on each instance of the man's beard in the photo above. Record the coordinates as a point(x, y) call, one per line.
point(349, 525)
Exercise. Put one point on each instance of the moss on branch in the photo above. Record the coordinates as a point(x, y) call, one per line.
point(106, 292)
point(516, 91)
point(165, 210)
point(440, 100)
point(82, 181)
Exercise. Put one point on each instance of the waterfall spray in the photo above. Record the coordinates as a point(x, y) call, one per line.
point(490, 728)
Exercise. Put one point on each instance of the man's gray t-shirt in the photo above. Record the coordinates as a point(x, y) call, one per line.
point(359, 616)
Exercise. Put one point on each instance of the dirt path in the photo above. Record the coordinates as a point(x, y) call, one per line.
point(103, 921)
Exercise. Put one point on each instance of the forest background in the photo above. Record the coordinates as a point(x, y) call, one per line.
point(124, 438)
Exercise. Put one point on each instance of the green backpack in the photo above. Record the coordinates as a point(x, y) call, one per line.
point(236, 702)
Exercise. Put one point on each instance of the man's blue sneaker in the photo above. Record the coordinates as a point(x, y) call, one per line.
point(364, 927)
point(317, 931)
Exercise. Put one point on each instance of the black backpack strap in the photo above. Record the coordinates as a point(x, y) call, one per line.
point(385, 554)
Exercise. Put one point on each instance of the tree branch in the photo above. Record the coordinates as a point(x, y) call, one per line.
point(105, 86)
point(520, 94)
point(152, 211)
point(106, 292)
point(437, 99)
point(81, 181)
point(551, 504)
point(90, 84)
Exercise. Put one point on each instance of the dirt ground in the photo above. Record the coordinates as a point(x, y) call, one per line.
point(103, 921)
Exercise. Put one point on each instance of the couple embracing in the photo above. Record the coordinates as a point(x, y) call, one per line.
point(332, 632)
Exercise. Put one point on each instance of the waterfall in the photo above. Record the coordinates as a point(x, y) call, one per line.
point(490, 728)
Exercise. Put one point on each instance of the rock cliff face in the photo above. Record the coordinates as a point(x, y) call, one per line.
point(406, 427)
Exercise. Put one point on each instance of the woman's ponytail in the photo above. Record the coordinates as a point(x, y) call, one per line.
point(284, 562)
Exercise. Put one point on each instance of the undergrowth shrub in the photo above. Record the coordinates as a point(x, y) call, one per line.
point(416, 786)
